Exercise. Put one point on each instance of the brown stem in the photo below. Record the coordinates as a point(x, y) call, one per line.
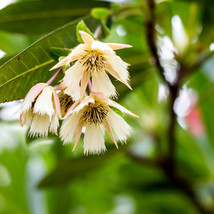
point(150, 34)
point(168, 164)
point(171, 129)
point(174, 178)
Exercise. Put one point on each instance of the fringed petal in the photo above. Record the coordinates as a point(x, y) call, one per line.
point(120, 126)
point(93, 140)
point(39, 126)
point(68, 128)
point(102, 83)
point(54, 124)
point(72, 80)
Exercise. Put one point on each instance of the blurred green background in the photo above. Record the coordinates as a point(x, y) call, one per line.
point(40, 176)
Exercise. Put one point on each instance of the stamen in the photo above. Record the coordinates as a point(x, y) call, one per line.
point(65, 102)
point(93, 61)
point(95, 113)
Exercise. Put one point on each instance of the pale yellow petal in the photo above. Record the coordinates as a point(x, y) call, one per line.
point(117, 46)
point(121, 108)
point(68, 128)
point(26, 117)
point(54, 124)
point(84, 82)
point(39, 126)
point(87, 38)
point(44, 103)
point(102, 83)
point(64, 61)
point(72, 80)
point(93, 140)
point(109, 130)
point(75, 54)
point(78, 134)
point(112, 71)
point(118, 65)
point(120, 126)
point(100, 46)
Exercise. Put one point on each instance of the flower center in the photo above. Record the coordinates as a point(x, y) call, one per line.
point(93, 61)
point(95, 113)
point(65, 102)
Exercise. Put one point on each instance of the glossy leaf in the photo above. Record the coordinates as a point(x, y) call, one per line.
point(32, 65)
point(41, 16)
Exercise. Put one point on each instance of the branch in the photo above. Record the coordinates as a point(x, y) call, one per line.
point(173, 92)
point(150, 34)
point(176, 180)
point(181, 184)
point(167, 164)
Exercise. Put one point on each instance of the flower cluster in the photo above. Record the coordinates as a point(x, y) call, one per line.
point(88, 65)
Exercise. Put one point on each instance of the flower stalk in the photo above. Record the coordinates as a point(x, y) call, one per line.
point(50, 81)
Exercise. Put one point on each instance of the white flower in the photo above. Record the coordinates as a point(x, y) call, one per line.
point(94, 113)
point(94, 58)
point(41, 110)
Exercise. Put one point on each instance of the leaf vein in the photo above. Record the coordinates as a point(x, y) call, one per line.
point(28, 71)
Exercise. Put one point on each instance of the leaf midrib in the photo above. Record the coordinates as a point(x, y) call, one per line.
point(30, 70)
point(45, 14)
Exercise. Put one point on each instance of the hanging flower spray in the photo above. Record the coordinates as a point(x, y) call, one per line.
point(88, 66)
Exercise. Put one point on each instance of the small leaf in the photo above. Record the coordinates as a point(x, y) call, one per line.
point(100, 13)
point(115, 7)
point(82, 26)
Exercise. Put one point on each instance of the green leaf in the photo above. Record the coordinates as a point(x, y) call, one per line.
point(56, 53)
point(42, 16)
point(73, 168)
point(100, 13)
point(82, 26)
point(115, 7)
point(32, 66)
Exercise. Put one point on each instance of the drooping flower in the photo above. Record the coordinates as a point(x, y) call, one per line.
point(95, 114)
point(94, 59)
point(41, 110)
